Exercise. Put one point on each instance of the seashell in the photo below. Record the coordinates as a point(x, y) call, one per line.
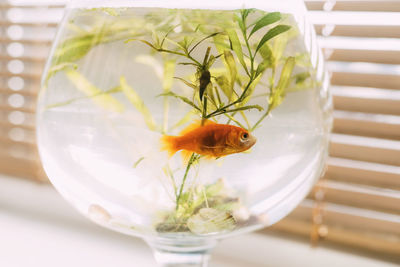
point(98, 214)
point(208, 221)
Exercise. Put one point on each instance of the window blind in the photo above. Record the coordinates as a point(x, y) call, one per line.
point(355, 205)
point(26, 32)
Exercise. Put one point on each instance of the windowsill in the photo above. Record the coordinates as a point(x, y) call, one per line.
point(38, 228)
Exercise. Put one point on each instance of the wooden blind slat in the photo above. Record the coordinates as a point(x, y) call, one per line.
point(365, 173)
point(40, 60)
point(361, 196)
point(22, 109)
point(352, 238)
point(364, 127)
point(372, 56)
point(6, 125)
point(29, 24)
point(352, 217)
point(19, 167)
point(340, 5)
point(26, 41)
point(365, 149)
point(359, 31)
point(29, 76)
point(6, 91)
point(368, 105)
point(347, 227)
point(366, 80)
point(6, 142)
point(39, 5)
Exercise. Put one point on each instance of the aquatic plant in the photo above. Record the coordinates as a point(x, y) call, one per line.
point(248, 44)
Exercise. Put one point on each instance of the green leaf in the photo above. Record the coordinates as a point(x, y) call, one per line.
point(286, 73)
point(262, 67)
point(271, 34)
point(116, 89)
point(223, 83)
point(259, 108)
point(184, 99)
point(230, 62)
point(202, 40)
point(246, 12)
point(215, 189)
point(185, 43)
point(279, 48)
point(210, 93)
point(143, 41)
point(73, 49)
point(209, 220)
point(278, 93)
point(156, 38)
point(240, 20)
point(210, 61)
point(138, 103)
point(221, 43)
point(137, 162)
point(187, 83)
point(267, 54)
point(266, 20)
point(250, 90)
point(168, 77)
point(60, 67)
point(103, 100)
point(301, 77)
point(236, 46)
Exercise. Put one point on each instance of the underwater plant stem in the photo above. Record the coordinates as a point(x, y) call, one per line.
point(245, 119)
point(179, 54)
point(232, 118)
point(261, 119)
point(191, 160)
point(250, 53)
point(223, 110)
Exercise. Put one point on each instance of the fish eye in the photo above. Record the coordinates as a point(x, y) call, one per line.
point(244, 136)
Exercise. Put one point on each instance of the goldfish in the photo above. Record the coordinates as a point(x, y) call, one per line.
point(211, 139)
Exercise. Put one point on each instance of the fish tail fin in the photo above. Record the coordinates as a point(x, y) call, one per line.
point(169, 144)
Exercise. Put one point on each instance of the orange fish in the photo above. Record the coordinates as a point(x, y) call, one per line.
point(210, 139)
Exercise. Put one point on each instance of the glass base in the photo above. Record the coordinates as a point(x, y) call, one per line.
point(177, 254)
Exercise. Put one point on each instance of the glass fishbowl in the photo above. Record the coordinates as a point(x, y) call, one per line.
point(184, 122)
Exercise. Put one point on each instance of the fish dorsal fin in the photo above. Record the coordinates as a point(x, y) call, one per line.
point(195, 125)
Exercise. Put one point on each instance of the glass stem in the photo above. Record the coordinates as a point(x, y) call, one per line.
point(182, 256)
